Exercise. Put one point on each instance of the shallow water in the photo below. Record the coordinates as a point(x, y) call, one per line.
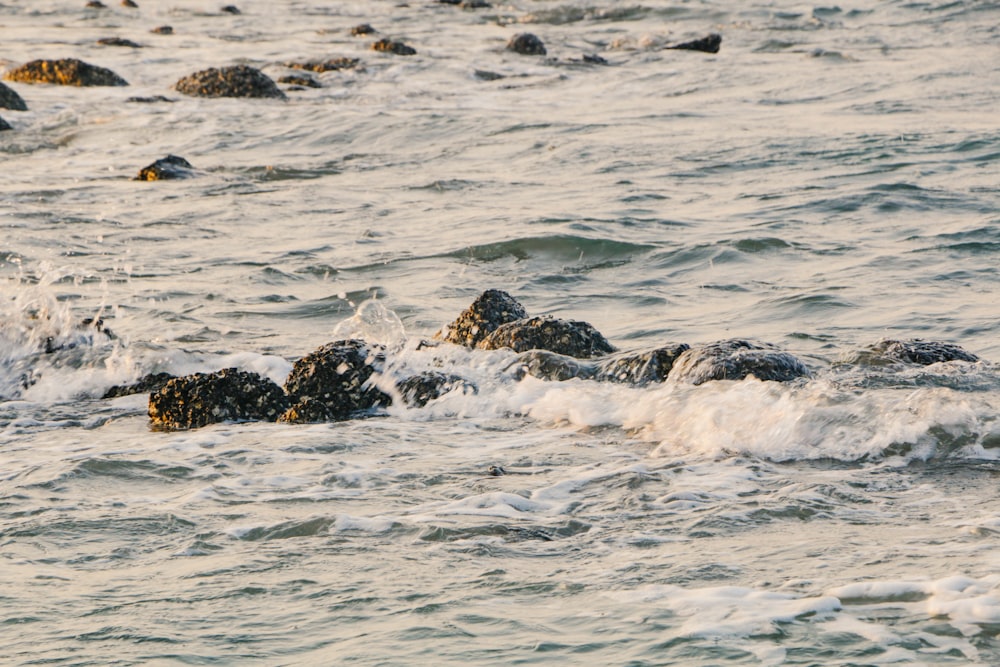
point(828, 179)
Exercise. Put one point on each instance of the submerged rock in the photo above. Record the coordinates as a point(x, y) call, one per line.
point(418, 390)
point(921, 352)
point(329, 65)
point(163, 30)
point(640, 368)
point(301, 81)
point(708, 44)
point(526, 44)
point(9, 99)
point(209, 398)
point(387, 45)
point(230, 9)
point(118, 41)
point(4, 125)
point(65, 72)
point(166, 168)
point(149, 100)
point(129, 3)
point(735, 360)
point(145, 385)
point(572, 338)
point(233, 81)
point(337, 376)
point(490, 309)
point(362, 29)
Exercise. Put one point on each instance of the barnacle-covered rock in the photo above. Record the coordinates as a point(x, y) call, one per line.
point(734, 360)
point(9, 99)
point(920, 352)
point(337, 375)
point(147, 384)
point(640, 368)
point(490, 309)
point(708, 44)
point(165, 169)
point(418, 390)
point(550, 366)
point(526, 44)
point(233, 81)
point(65, 72)
point(208, 398)
point(572, 338)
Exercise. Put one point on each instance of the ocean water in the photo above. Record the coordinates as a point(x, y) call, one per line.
point(830, 178)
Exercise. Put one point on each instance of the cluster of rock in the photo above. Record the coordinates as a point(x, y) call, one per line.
point(347, 379)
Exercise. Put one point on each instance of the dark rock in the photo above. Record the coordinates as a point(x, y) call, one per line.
point(387, 45)
point(163, 30)
point(9, 99)
point(474, 4)
point(707, 44)
point(96, 4)
point(337, 375)
point(640, 368)
point(149, 100)
point(233, 81)
point(921, 352)
point(144, 385)
point(575, 339)
point(486, 75)
point(66, 72)
point(550, 366)
point(308, 410)
point(118, 41)
point(301, 81)
point(165, 169)
point(209, 398)
point(320, 66)
point(4, 125)
point(526, 44)
point(594, 59)
point(418, 390)
point(230, 9)
point(735, 360)
point(362, 29)
point(491, 309)
point(129, 3)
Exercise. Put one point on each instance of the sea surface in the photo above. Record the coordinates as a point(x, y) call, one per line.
point(830, 178)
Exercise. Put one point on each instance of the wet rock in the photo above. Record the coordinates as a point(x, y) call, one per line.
point(735, 360)
point(4, 125)
point(149, 100)
point(337, 375)
point(233, 81)
point(147, 384)
point(550, 366)
point(486, 75)
point(230, 9)
point(118, 41)
point(640, 368)
point(362, 29)
point(209, 398)
point(594, 59)
point(387, 45)
point(491, 309)
point(418, 390)
point(65, 72)
point(166, 168)
point(95, 4)
point(9, 99)
point(572, 338)
point(308, 410)
point(129, 3)
point(921, 352)
point(320, 66)
point(707, 44)
point(467, 4)
point(526, 44)
point(163, 30)
point(301, 81)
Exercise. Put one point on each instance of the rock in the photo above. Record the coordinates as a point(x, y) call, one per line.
point(486, 75)
point(230, 9)
point(149, 100)
point(118, 41)
point(145, 385)
point(233, 81)
point(491, 309)
point(163, 30)
point(575, 339)
point(208, 398)
point(95, 4)
point(526, 44)
point(387, 45)
point(594, 59)
point(166, 168)
point(129, 3)
point(9, 99)
point(308, 410)
point(337, 375)
point(474, 4)
point(640, 368)
point(550, 366)
point(320, 66)
point(418, 390)
point(735, 360)
point(707, 44)
point(303, 81)
point(921, 352)
point(4, 125)
point(362, 29)
point(66, 72)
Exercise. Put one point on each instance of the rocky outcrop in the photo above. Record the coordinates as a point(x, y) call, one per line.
point(9, 99)
point(320, 66)
point(920, 352)
point(233, 81)
point(147, 384)
point(419, 390)
point(65, 72)
point(334, 382)
point(526, 44)
point(491, 309)
point(197, 400)
point(387, 45)
point(569, 337)
point(736, 360)
point(708, 44)
point(166, 168)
